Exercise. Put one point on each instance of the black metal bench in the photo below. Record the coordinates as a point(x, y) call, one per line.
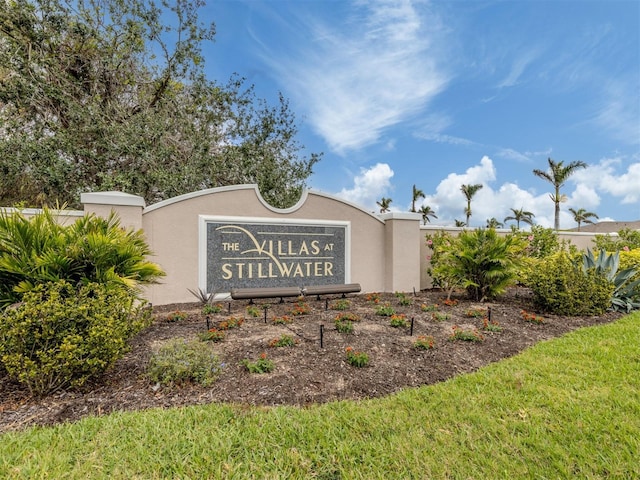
point(274, 292)
point(332, 289)
point(281, 292)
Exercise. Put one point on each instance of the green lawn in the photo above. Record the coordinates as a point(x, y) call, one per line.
point(567, 408)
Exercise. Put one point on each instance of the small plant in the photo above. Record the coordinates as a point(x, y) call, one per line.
point(465, 335)
point(231, 322)
point(179, 362)
point(531, 317)
point(399, 320)
point(424, 342)
point(344, 326)
point(341, 304)
point(208, 309)
point(440, 317)
point(283, 341)
point(176, 316)
point(212, 335)
point(490, 326)
point(283, 320)
point(261, 365)
point(357, 359)
point(403, 299)
point(385, 310)
point(429, 308)
point(450, 302)
point(349, 317)
point(301, 308)
point(476, 313)
point(373, 297)
point(253, 311)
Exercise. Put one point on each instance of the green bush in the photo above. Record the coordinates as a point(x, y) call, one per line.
point(38, 250)
point(480, 261)
point(626, 238)
point(178, 362)
point(560, 286)
point(60, 336)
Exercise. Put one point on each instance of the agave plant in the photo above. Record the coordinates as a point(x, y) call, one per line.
point(626, 293)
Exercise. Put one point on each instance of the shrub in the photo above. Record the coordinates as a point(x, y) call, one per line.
point(60, 336)
point(561, 287)
point(212, 335)
point(92, 249)
point(458, 333)
point(179, 361)
point(342, 304)
point(481, 261)
point(627, 238)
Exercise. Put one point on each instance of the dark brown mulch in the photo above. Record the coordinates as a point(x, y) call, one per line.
point(306, 373)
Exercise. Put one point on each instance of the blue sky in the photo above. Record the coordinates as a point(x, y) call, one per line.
point(445, 93)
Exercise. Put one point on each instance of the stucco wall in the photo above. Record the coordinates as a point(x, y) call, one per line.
point(172, 229)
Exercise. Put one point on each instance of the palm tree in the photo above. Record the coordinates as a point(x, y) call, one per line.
point(384, 204)
point(460, 223)
point(557, 176)
point(469, 191)
point(417, 194)
point(582, 216)
point(427, 212)
point(494, 223)
point(520, 216)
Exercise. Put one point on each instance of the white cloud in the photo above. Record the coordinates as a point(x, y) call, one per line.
point(518, 67)
point(617, 112)
point(366, 74)
point(370, 186)
point(604, 177)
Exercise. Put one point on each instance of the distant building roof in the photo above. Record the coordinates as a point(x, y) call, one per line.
point(608, 227)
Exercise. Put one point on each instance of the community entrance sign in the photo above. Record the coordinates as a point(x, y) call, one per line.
point(263, 252)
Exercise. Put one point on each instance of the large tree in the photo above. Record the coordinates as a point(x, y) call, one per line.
point(582, 216)
point(427, 212)
point(469, 191)
point(417, 194)
point(557, 175)
point(520, 215)
point(104, 94)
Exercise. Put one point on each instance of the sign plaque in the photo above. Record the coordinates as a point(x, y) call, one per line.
point(263, 252)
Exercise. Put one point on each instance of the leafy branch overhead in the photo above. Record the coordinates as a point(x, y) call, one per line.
point(109, 95)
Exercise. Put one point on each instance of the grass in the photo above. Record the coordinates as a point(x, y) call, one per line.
point(567, 408)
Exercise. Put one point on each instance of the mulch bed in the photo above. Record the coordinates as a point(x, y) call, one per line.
point(307, 373)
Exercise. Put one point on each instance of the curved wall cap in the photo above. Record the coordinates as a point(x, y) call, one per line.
point(112, 198)
point(283, 211)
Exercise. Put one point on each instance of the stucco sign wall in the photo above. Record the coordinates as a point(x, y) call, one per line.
point(263, 252)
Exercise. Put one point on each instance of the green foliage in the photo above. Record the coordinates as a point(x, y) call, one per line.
point(343, 326)
point(626, 293)
point(92, 249)
point(385, 310)
point(112, 95)
point(261, 365)
point(60, 336)
point(480, 261)
point(283, 340)
point(463, 335)
point(560, 286)
point(626, 240)
point(356, 358)
point(180, 361)
point(399, 321)
point(424, 342)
